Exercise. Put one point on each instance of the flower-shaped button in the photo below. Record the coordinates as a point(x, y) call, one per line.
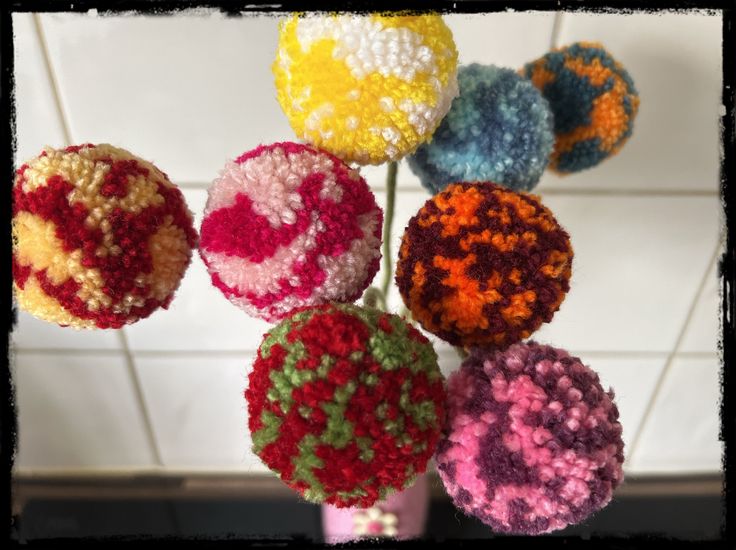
point(374, 522)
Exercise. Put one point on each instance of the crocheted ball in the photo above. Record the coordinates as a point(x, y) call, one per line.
point(345, 403)
point(286, 226)
point(367, 88)
point(499, 129)
point(482, 265)
point(532, 442)
point(101, 238)
point(593, 100)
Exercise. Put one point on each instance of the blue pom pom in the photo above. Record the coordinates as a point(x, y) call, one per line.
point(499, 129)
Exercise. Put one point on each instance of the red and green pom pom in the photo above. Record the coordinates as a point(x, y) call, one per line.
point(345, 403)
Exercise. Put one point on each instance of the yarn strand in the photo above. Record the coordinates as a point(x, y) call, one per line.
point(388, 219)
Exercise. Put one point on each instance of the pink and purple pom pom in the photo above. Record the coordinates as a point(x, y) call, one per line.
point(532, 441)
point(287, 226)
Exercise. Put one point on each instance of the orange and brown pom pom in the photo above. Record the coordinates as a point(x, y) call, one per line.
point(481, 265)
point(101, 238)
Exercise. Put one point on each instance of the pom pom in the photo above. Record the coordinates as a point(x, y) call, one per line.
point(287, 226)
point(483, 265)
point(345, 403)
point(367, 88)
point(593, 100)
point(499, 129)
point(101, 238)
point(532, 442)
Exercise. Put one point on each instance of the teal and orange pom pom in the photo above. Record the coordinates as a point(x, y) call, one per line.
point(593, 100)
point(345, 403)
point(101, 238)
point(481, 265)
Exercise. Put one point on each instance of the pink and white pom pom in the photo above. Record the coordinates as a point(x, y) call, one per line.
point(532, 441)
point(288, 226)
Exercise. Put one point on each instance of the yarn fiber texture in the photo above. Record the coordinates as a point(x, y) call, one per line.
point(499, 129)
point(367, 88)
point(287, 226)
point(101, 238)
point(532, 441)
point(483, 265)
point(593, 100)
point(345, 403)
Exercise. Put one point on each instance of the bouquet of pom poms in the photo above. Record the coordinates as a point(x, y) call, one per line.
point(346, 402)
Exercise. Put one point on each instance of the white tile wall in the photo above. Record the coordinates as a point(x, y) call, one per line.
point(198, 410)
point(704, 329)
point(486, 37)
point(681, 433)
point(78, 411)
point(38, 122)
point(32, 333)
point(190, 91)
point(187, 92)
point(638, 263)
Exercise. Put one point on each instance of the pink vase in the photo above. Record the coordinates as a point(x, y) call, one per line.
point(402, 515)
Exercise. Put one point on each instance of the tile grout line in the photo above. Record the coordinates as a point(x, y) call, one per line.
point(556, 25)
point(125, 349)
point(672, 355)
point(51, 73)
point(138, 389)
point(646, 193)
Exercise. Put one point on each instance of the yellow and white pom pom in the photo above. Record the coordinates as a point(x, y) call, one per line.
point(366, 88)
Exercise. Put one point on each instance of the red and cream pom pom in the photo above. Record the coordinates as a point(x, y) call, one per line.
point(288, 226)
point(101, 238)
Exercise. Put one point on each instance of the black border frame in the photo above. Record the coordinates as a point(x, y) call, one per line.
point(727, 263)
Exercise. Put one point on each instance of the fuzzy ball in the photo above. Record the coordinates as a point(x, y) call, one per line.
point(367, 88)
point(593, 100)
point(499, 129)
point(288, 226)
point(532, 441)
point(482, 265)
point(101, 238)
point(345, 403)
